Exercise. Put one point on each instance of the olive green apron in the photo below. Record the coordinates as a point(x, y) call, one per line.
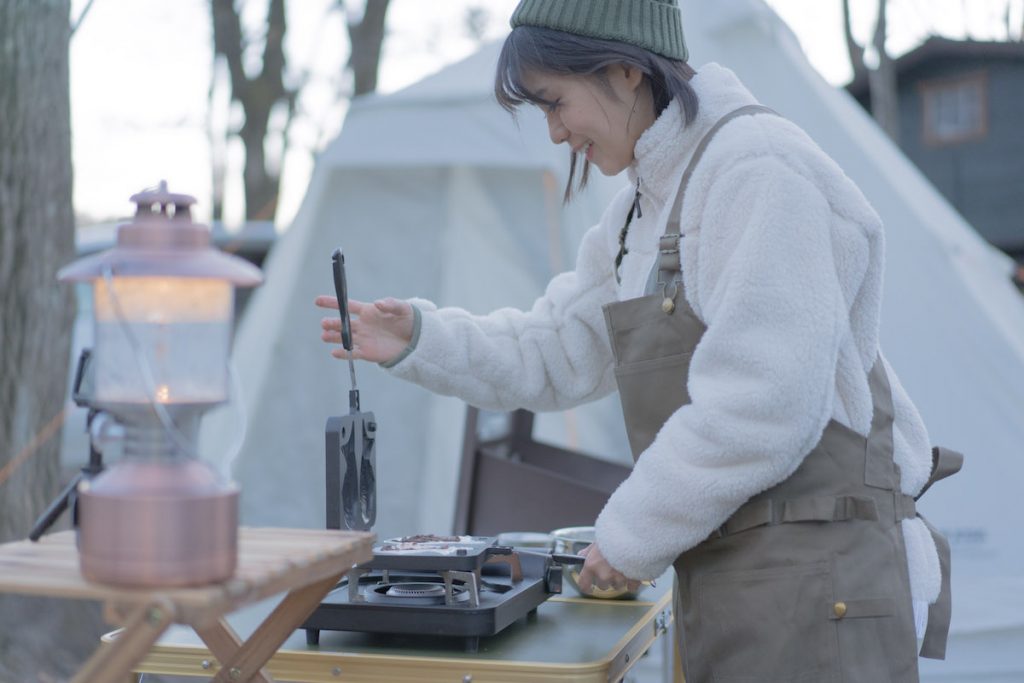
point(806, 581)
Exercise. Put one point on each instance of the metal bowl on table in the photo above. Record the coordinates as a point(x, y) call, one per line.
point(531, 540)
point(571, 540)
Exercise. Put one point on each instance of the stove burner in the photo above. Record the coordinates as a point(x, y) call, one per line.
point(415, 593)
point(415, 590)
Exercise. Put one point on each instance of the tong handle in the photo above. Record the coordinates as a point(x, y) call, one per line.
point(341, 290)
point(564, 558)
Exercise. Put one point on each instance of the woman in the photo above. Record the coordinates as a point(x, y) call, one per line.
point(732, 292)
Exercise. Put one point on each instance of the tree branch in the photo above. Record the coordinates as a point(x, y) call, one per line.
point(882, 80)
point(367, 38)
point(85, 10)
point(272, 75)
point(227, 42)
point(853, 48)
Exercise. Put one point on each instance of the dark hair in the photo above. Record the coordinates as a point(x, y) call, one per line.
point(533, 48)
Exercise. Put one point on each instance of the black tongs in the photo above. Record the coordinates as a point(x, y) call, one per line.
point(351, 439)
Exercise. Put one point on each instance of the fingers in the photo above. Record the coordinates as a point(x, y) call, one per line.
point(324, 301)
point(392, 306)
point(602, 579)
point(331, 302)
point(341, 354)
point(586, 580)
point(598, 573)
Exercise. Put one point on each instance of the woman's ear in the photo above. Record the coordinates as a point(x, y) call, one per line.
point(626, 78)
point(634, 76)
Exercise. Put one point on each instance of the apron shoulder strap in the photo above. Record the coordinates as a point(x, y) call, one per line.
point(879, 467)
point(668, 257)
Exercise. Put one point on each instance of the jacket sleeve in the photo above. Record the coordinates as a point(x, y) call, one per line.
point(761, 379)
point(552, 357)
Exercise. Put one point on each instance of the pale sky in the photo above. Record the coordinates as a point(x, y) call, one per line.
point(140, 73)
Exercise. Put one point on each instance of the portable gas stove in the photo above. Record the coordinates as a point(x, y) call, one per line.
point(459, 586)
point(465, 586)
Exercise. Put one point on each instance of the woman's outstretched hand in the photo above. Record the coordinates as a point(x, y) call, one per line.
point(380, 331)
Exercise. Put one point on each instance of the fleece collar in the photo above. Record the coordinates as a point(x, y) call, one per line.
point(664, 148)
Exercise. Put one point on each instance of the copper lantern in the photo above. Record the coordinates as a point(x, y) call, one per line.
point(163, 302)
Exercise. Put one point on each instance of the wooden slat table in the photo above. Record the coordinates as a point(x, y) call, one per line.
point(305, 563)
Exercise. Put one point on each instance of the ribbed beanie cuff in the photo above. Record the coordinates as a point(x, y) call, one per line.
point(655, 25)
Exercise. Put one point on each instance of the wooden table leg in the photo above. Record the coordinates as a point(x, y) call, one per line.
point(275, 629)
point(224, 643)
point(144, 625)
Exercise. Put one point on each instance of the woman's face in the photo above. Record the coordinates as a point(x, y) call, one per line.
point(602, 122)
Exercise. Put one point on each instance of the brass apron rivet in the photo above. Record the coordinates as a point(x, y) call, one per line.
point(839, 609)
point(668, 305)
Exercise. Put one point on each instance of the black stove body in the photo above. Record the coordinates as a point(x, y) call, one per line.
point(463, 587)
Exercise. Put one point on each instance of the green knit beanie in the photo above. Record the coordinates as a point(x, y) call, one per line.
point(656, 25)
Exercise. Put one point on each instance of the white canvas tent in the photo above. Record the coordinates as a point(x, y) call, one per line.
point(432, 191)
point(435, 192)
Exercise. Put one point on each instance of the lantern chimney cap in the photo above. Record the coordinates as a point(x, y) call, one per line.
point(162, 240)
point(159, 201)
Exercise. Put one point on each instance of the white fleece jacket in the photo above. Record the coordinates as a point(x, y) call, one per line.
point(782, 259)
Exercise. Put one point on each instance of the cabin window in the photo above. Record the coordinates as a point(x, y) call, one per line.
point(954, 109)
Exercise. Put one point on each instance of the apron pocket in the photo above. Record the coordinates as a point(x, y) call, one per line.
point(768, 625)
point(666, 336)
point(650, 391)
point(873, 644)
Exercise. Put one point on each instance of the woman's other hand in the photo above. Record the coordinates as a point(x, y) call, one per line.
point(380, 331)
point(597, 573)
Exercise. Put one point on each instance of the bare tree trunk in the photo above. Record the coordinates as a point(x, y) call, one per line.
point(40, 639)
point(853, 48)
point(367, 38)
point(882, 87)
point(882, 81)
point(218, 161)
point(258, 96)
point(36, 238)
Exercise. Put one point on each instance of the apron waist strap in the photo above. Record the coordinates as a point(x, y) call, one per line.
point(939, 612)
point(945, 462)
point(810, 509)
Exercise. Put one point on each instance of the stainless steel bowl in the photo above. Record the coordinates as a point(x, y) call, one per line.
point(533, 540)
point(572, 540)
